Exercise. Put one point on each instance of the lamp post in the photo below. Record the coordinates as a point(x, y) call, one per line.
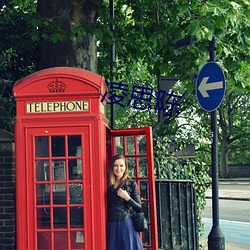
point(216, 240)
point(112, 60)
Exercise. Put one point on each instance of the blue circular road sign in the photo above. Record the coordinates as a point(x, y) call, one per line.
point(210, 86)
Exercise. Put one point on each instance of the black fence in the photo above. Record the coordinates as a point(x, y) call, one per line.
point(176, 211)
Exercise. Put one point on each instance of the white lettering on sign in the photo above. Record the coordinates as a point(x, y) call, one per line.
point(49, 107)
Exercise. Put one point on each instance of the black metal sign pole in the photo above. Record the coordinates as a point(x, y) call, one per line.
point(112, 60)
point(216, 240)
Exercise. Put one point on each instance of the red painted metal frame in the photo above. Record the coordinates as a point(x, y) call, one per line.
point(31, 186)
point(147, 131)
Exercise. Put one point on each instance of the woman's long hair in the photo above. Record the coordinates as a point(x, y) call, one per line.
point(111, 175)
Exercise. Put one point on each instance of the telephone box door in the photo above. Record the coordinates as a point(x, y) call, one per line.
point(137, 146)
point(59, 188)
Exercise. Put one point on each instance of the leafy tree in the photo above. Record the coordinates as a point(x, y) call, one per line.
point(148, 30)
point(156, 26)
point(17, 54)
point(234, 120)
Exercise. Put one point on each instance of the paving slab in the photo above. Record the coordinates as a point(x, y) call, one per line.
point(228, 246)
point(242, 192)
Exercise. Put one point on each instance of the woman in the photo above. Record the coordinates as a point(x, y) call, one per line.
point(122, 195)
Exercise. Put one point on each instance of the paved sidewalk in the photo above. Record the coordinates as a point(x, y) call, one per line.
point(230, 194)
point(228, 246)
point(242, 193)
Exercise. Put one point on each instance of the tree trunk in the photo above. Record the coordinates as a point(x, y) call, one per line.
point(223, 166)
point(75, 49)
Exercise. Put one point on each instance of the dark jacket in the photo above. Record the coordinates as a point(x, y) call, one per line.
point(118, 208)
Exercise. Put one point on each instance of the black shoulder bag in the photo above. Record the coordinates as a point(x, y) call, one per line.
point(139, 221)
point(138, 218)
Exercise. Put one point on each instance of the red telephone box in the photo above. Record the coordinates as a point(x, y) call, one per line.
point(61, 159)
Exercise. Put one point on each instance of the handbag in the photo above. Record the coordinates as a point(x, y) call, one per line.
point(139, 221)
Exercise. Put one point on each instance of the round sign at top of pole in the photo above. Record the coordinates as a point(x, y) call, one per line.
point(210, 86)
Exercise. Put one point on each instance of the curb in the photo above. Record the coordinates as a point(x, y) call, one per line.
point(243, 179)
point(230, 198)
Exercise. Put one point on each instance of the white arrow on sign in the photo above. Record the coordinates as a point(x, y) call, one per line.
point(204, 86)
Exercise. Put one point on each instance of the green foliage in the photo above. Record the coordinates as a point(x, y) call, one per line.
point(234, 117)
point(7, 106)
point(135, 114)
point(146, 31)
point(15, 30)
point(145, 34)
point(17, 55)
point(172, 167)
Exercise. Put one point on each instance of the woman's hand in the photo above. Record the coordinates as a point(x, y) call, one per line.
point(123, 194)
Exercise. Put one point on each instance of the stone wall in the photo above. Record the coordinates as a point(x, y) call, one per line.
point(7, 192)
point(239, 171)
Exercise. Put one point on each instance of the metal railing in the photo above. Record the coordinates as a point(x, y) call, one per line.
point(176, 211)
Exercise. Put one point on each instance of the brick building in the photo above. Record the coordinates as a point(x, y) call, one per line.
point(7, 191)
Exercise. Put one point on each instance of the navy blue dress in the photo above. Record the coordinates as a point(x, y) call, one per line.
point(122, 236)
point(121, 231)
